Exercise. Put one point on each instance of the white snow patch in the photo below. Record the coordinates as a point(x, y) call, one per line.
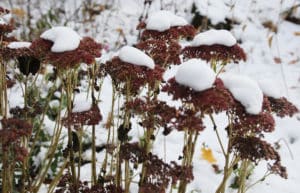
point(135, 56)
point(17, 45)
point(211, 37)
point(81, 103)
point(196, 74)
point(270, 88)
point(163, 20)
point(245, 90)
point(2, 22)
point(64, 38)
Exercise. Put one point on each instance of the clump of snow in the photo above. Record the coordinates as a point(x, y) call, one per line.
point(270, 88)
point(196, 74)
point(245, 90)
point(64, 38)
point(163, 20)
point(81, 103)
point(135, 56)
point(17, 45)
point(211, 37)
point(2, 22)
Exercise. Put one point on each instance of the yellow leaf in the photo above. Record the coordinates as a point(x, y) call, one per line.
point(207, 155)
point(297, 33)
point(20, 13)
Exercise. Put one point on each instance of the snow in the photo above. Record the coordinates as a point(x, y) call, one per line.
point(81, 103)
point(270, 88)
point(17, 45)
point(211, 37)
point(64, 38)
point(135, 56)
point(254, 38)
point(245, 90)
point(196, 74)
point(2, 22)
point(163, 20)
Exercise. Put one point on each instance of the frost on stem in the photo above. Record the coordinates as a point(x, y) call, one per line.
point(86, 53)
point(137, 76)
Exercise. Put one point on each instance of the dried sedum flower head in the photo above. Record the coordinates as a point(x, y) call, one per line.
point(86, 52)
point(163, 53)
point(255, 150)
point(131, 77)
point(215, 52)
point(215, 99)
point(89, 117)
point(163, 113)
point(11, 133)
point(282, 107)
point(174, 33)
point(217, 45)
point(245, 124)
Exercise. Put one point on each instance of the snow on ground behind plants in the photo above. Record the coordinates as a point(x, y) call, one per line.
point(262, 46)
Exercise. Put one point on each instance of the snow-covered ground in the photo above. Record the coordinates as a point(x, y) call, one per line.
point(272, 56)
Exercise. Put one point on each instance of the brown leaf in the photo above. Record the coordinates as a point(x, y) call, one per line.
point(297, 33)
point(277, 60)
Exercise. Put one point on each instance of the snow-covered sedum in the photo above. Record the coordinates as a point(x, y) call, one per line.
point(135, 56)
point(63, 38)
point(64, 48)
point(165, 25)
point(164, 20)
point(215, 45)
point(195, 74)
point(245, 90)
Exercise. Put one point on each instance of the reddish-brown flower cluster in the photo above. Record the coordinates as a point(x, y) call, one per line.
point(27, 63)
point(278, 169)
point(215, 99)
point(255, 149)
point(65, 185)
point(174, 33)
point(245, 124)
point(10, 136)
point(89, 117)
point(215, 52)
point(87, 51)
point(162, 52)
point(5, 28)
point(132, 152)
point(162, 114)
point(282, 107)
point(188, 119)
point(159, 175)
point(128, 77)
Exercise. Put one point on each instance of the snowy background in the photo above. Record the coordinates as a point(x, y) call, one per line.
point(264, 31)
